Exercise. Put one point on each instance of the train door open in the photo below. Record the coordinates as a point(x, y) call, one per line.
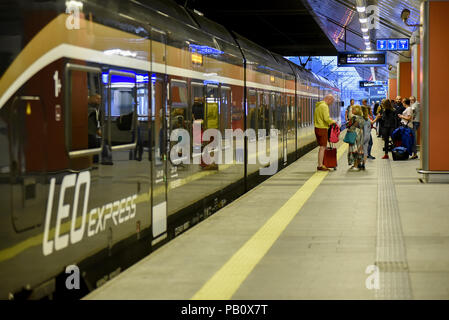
point(160, 116)
point(28, 163)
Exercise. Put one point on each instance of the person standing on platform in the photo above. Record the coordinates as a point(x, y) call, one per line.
point(416, 120)
point(375, 112)
point(348, 110)
point(367, 139)
point(322, 121)
point(355, 151)
point(370, 145)
point(407, 120)
point(388, 123)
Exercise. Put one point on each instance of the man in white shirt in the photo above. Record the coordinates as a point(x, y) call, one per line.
point(407, 120)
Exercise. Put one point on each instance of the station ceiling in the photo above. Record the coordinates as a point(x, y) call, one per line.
point(313, 27)
point(285, 27)
point(335, 15)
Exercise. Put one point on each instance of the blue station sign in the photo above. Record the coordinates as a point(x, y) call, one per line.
point(401, 44)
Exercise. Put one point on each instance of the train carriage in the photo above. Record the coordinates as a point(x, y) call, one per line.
point(92, 94)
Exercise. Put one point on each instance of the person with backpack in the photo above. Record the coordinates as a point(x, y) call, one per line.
point(355, 150)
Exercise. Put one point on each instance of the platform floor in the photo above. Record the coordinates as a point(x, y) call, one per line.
point(374, 234)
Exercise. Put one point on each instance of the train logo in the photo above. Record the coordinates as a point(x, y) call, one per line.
point(118, 211)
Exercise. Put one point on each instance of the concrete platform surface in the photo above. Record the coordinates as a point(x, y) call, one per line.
point(373, 234)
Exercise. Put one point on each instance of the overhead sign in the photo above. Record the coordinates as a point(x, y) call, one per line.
point(370, 84)
point(362, 59)
point(402, 44)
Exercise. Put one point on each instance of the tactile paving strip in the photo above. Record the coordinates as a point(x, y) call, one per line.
point(391, 258)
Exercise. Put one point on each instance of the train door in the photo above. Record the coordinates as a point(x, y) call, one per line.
point(160, 119)
point(28, 162)
point(179, 118)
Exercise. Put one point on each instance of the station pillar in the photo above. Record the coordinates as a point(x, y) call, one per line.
point(433, 73)
point(416, 81)
point(404, 81)
point(392, 88)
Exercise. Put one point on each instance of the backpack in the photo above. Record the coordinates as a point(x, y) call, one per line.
point(334, 133)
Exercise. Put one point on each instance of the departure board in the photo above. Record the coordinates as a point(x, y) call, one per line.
point(362, 59)
point(369, 84)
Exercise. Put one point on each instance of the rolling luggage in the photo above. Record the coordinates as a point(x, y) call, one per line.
point(330, 157)
point(400, 154)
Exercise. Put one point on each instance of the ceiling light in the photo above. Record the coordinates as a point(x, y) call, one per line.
point(361, 9)
point(366, 37)
point(363, 20)
point(364, 29)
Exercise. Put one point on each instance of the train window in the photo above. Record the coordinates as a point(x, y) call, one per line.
point(262, 113)
point(225, 111)
point(178, 105)
point(212, 107)
point(251, 118)
point(278, 112)
point(142, 97)
point(121, 111)
point(83, 109)
point(197, 101)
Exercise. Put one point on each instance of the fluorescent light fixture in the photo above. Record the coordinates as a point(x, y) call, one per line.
point(366, 37)
point(367, 44)
point(74, 4)
point(364, 29)
point(198, 12)
point(361, 9)
point(119, 52)
point(363, 20)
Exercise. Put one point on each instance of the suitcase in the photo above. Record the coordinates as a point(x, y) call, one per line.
point(400, 154)
point(330, 157)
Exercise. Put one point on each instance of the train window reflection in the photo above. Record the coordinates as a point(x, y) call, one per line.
point(121, 109)
point(179, 105)
point(86, 102)
point(212, 107)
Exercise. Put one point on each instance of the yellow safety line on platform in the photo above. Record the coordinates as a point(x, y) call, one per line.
point(226, 281)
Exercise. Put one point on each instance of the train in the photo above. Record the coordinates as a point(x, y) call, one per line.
point(91, 93)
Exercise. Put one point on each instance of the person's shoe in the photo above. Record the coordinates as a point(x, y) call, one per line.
point(322, 168)
point(386, 157)
point(414, 157)
point(371, 157)
point(354, 169)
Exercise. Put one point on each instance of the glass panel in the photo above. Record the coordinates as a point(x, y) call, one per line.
point(86, 108)
point(225, 109)
point(179, 105)
point(123, 103)
point(251, 118)
point(212, 107)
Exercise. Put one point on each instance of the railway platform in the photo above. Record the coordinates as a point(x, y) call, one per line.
point(303, 234)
